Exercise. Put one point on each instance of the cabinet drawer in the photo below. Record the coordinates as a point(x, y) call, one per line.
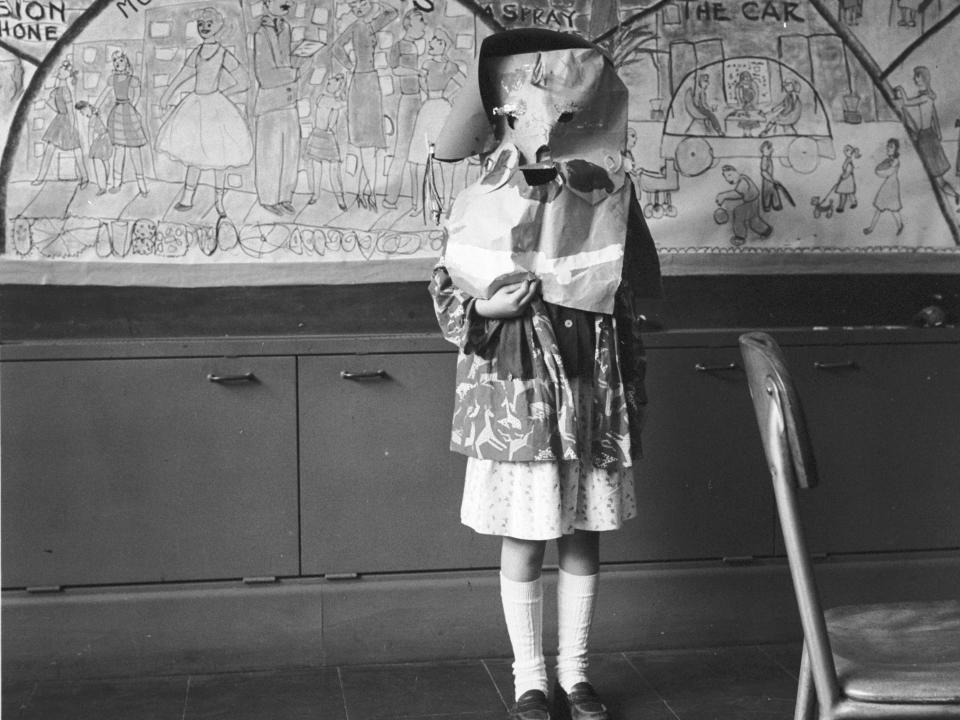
point(885, 427)
point(146, 470)
point(380, 489)
point(702, 485)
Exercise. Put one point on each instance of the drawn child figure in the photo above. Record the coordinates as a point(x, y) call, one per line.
point(206, 131)
point(770, 187)
point(887, 198)
point(440, 78)
point(124, 122)
point(62, 134)
point(323, 147)
point(539, 413)
point(847, 184)
point(924, 126)
point(100, 147)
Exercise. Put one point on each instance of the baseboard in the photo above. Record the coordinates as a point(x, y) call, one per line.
point(223, 627)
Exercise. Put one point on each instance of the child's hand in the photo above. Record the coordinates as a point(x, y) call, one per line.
point(510, 301)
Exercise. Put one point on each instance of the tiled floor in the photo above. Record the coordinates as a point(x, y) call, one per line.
point(755, 682)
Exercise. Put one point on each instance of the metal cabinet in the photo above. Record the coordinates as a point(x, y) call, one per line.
point(702, 487)
point(148, 470)
point(885, 425)
point(380, 490)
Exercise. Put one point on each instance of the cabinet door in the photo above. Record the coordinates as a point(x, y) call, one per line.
point(380, 489)
point(702, 486)
point(885, 427)
point(121, 471)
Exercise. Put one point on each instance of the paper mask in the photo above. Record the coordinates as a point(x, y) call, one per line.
point(553, 201)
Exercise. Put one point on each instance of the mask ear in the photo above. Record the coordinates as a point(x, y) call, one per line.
point(467, 130)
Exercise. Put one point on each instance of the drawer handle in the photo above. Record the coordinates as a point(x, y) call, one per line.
point(843, 365)
point(700, 367)
point(223, 379)
point(368, 375)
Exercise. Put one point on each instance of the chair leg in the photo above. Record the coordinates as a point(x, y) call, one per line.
point(806, 695)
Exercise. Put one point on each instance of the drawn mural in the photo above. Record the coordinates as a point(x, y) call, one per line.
point(292, 138)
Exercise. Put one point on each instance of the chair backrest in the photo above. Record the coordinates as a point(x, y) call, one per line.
point(765, 367)
point(789, 454)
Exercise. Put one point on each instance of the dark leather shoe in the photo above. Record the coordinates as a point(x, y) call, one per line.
point(581, 703)
point(532, 705)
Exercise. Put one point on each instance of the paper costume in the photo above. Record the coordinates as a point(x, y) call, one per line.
point(553, 200)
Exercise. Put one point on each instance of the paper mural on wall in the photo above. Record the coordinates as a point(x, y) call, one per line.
point(296, 133)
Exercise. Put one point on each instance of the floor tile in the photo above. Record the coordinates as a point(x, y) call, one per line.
point(624, 691)
point(392, 692)
point(290, 695)
point(727, 683)
point(786, 656)
point(142, 699)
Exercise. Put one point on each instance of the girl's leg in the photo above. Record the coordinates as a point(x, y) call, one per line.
point(136, 154)
point(219, 190)
point(873, 223)
point(190, 180)
point(48, 153)
point(336, 182)
point(897, 219)
point(521, 591)
point(368, 158)
point(119, 158)
point(576, 596)
point(314, 177)
point(101, 173)
point(81, 167)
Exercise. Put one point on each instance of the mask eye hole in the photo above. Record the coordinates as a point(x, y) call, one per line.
point(565, 117)
point(511, 120)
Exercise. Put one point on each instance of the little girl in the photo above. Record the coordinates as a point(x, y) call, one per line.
point(550, 397)
point(101, 149)
point(847, 184)
point(323, 147)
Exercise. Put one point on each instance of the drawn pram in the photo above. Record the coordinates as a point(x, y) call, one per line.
point(799, 141)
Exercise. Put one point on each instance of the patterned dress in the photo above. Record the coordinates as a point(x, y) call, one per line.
point(550, 405)
point(124, 122)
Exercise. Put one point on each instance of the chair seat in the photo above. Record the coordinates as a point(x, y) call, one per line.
point(897, 653)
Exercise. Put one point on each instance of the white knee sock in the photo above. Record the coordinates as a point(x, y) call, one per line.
point(523, 612)
point(575, 599)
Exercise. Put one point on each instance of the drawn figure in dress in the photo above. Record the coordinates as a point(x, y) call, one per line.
point(278, 125)
point(124, 122)
point(847, 184)
point(920, 114)
point(364, 99)
point(404, 58)
point(770, 188)
point(206, 130)
point(786, 113)
point(746, 211)
point(62, 134)
point(702, 105)
point(100, 149)
point(887, 198)
point(746, 92)
point(440, 78)
point(323, 147)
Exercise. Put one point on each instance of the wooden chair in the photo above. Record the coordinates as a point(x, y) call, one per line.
point(888, 661)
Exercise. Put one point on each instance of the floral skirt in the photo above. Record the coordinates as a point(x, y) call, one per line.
point(544, 500)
